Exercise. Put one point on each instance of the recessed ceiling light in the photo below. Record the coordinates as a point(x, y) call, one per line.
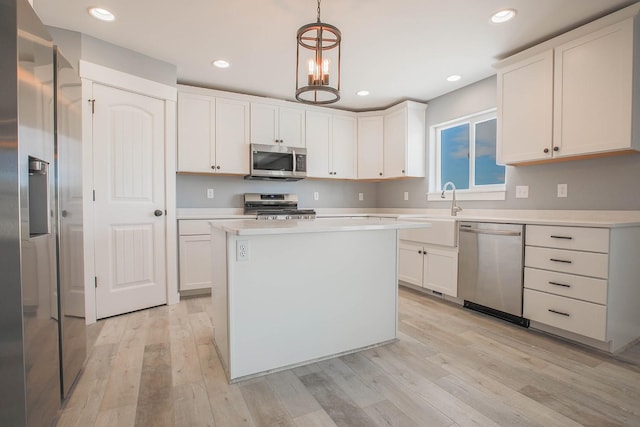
point(453, 78)
point(221, 63)
point(101, 14)
point(503, 15)
point(362, 93)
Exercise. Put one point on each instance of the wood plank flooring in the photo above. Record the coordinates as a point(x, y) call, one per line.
point(451, 367)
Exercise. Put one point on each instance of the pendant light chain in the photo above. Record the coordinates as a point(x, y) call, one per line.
point(318, 11)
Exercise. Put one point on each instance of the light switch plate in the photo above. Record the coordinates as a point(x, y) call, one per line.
point(361, 196)
point(522, 191)
point(316, 195)
point(406, 195)
point(562, 190)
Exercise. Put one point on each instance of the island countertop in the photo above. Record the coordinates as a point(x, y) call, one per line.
point(265, 227)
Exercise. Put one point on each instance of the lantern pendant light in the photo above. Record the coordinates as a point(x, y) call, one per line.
point(318, 63)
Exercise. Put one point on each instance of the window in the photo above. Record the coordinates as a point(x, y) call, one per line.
point(464, 152)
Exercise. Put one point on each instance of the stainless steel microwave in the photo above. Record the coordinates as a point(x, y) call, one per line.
point(277, 162)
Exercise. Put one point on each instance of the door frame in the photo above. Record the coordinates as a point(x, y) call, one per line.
point(91, 73)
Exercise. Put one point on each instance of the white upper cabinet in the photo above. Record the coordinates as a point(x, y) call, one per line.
point(343, 147)
point(525, 110)
point(213, 134)
point(576, 98)
point(273, 124)
point(331, 145)
point(215, 130)
point(318, 127)
point(370, 147)
point(404, 140)
point(196, 133)
point(232, 136)
point(594, 92)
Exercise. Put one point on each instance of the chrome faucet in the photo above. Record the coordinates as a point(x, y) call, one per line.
point(454, 209)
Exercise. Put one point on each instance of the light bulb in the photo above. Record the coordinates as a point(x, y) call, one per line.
point(325, 71)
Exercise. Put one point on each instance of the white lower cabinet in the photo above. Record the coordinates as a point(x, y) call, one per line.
point(430, 267)
point(583, 281)
point(195, 255)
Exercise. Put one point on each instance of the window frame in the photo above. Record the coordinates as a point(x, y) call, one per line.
point(474, 192)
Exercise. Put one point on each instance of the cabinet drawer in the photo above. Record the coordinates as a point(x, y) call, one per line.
point(580, 317)
point(576, 238)
point(188, 227)
point(568, 285)
point(574, 262)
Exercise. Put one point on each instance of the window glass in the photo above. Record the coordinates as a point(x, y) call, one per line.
point(487, 172)
point(465, 154)
point(454, 163)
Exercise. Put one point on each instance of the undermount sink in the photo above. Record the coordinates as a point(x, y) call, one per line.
point(443, 231)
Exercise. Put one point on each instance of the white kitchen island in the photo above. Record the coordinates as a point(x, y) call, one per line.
point(286, 293)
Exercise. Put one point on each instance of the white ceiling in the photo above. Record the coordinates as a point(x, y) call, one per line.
point(396, 49)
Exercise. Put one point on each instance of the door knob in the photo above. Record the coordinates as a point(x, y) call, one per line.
point(157, 212)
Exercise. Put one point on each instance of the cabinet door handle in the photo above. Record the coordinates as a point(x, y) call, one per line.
point(562, 237)
point(556, 148)
point(380, 173)
point(546, 150)
point(559, 284)
point(561, 260)
point(419, 252)
point(559, 312)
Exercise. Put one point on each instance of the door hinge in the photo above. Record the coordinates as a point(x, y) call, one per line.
point(94, 195)
point(95, 282)
point(93, 105)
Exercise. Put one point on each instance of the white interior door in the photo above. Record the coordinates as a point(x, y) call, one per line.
point(128, 168)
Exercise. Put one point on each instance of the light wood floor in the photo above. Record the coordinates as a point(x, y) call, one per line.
point(451, 366)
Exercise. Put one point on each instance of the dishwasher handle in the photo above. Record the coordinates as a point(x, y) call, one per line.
point(492, 232)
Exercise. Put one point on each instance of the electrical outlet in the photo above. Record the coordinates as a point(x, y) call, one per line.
point(522, 191)
point(406, 195)
point(361, 196)
point(316, 195)
point(562, 190)
point(210, 193)
point(242, 250)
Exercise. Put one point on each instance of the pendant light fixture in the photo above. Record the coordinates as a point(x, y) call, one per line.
point(318, 63)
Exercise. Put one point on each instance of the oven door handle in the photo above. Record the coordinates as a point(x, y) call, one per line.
point(492, 232)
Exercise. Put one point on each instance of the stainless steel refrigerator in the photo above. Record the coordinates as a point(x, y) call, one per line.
point(42, 325)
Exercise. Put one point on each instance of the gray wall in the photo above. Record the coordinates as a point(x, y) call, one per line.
point(609, 183)
point(76, 46)
point(191, 191)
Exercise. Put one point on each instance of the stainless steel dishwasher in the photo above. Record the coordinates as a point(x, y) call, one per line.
point(490, 273)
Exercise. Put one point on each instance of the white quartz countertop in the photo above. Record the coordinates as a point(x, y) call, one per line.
point(575, 218)
point(255, 227)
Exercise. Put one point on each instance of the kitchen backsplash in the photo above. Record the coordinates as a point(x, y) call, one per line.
point(191, 191)
point(610, 183)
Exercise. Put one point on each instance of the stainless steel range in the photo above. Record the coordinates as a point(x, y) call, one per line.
point(275, 207)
